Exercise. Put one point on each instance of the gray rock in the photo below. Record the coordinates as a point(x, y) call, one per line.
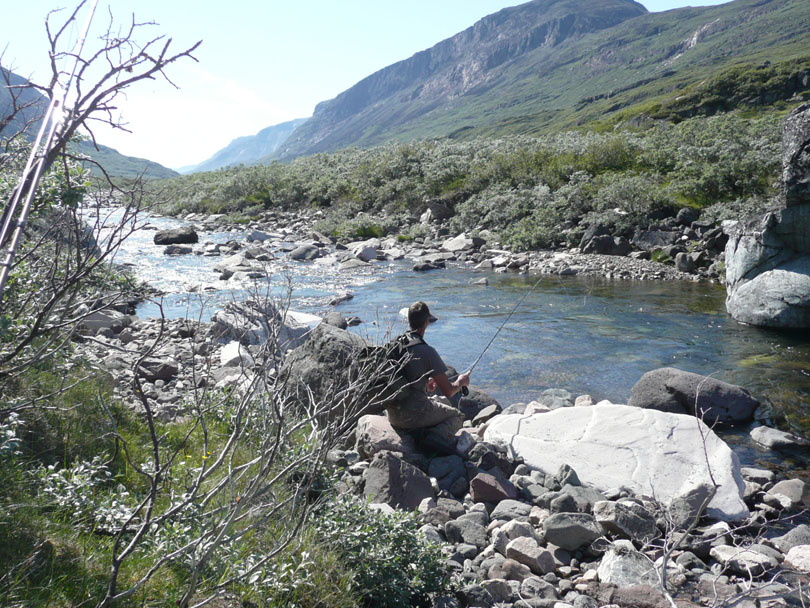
point(465, 531)
point(336, 319)
point(392, 481)
point(743, 561)
point(176, 236)
point(796, 156)
point(795, 489)
point(666, 453)
point(672, 390)
point(684, 263)
point(526, 551)
point(799, 558)
point(475, 595)
point(800, 535)
point(305, 252)
point(509, 510)
point(536, 587)
point(375, 434)
point(775, 439)
point(607, 245)
point(450, 473)
point(571, 531)
point(650, 240)
point(509, 570)
point(476, 401)
point(153, 369)
point(626, 520)
point(177, 250)
point(625, 567)
point(485, 487)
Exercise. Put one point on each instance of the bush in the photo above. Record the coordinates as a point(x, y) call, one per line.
point(393, 565)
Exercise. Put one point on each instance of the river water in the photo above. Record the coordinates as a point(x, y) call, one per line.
point(586, 335)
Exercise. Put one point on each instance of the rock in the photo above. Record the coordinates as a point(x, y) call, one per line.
point(234, 354)
point(425, 266)
point(584, 401)
point(176, 236)
point(475, 595)
point(375, 434)
point(509, 570)
point(473, 403)
point(624, 567)
point(152, 369)
point(635, 596)
point(485, 414)
point(687, 215)
point(672, 390)
point(253, 322)
point(800, 535)
point(511, 510)
point(798, 557)
point(465, 531)
point(177, 250)
point(743, 561)
point(258, 235)
point(760, 476)
point(392, 481)
point(684, 263)
point(626, 521)
point(450, 473)
point(536, 587)
point(768, 257)
point(795, 489)
point(650, 240)
point(336, 319)
point(775, 439)
point(439, 211)
point(100, 320)
point(462, 243)
point(526, 551)
point(353, 264)
point(485, 487)
point(305, 252)
point(796, 156)
point(571, 531)
point(607, 245)
point(617, 445)
point(365, 250)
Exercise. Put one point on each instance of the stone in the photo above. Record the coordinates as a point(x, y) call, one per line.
point(687, 215)
point(305, 252)
point(625, 567)
point(431, 534)
point(153, 369)
point(352, 264)
point(684, 263)
point(474, 402)
point(100, 320)
point(392, 481)
point(796, 156)
point(607, 245)
point(672, 390)
point(462, 243)
point(760, 476)
point(743, 561)
point(650, 240)
point(509, 570)
point(617, 445)
point(511, 510)
point(375, 434)
point(254, 322)
point(536, 587)
point(584, 401)
point(571, 531)
point(177, 250)
point(626, 521)
point(365, 251)
point(233, 354)
point(798, 557)
point(485, 414)
point(498, 589)
point(465, 531)
point(775, 439)
point(800, 535)
point(176, 236)
point(526, 551)
point(336, 319)
point(450, 473)
point(795, 489)
point(475, 595)
point(485, 487)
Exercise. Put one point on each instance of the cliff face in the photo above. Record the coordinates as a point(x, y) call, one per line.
point(550, 65)
point(457, 66)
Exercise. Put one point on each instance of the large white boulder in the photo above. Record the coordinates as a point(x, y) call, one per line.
point(650, 452)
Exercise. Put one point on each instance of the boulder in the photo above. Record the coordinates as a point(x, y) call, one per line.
point(612, 446)
point(796, 490)
point(796, 156)
point(474, 402)
point(177, 250)
point(800, 535)
point(466, 531)
point(571, 531)
point(798, 557)
point(439, 211)
point(607, 245)
point(176, 236)
point(450, 474)
point(365, 250)
point(672, 390)
point(254, 322)
point(511, 510)
point(462, 243)
point(775, 439)
point(526, 551)
point(234, 354)
point(392, 481)
point(152, 369)
point(375, 434)
point(485, 487)
point(101, 320)
point(305, 252)
point(650, 240)
point(623, 566)
point(743, 561)
point(628, 520)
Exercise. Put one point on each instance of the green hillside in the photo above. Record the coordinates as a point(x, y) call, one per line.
point(658, 65)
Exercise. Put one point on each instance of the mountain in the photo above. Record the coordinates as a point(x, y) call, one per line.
point(250, 148)
point(554, 64)
point(35, 105)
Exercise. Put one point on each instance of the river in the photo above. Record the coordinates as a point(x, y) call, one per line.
point(586, 335)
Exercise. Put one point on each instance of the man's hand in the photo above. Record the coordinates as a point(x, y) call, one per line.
point(431, 385)
point(463, 379)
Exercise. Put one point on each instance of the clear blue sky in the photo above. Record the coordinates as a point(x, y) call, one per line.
point(261, 62)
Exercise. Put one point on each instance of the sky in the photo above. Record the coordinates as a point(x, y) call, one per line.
point(261, 62)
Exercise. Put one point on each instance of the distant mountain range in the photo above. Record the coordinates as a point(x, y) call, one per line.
point(114, 163)
point(248, 149)
point(549, 65)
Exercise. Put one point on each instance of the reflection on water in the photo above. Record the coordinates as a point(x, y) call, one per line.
point(583, 334)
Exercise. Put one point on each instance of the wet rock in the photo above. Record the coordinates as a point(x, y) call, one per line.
point(305, 252)
point(666, 453)
point(177, 250)
point(672, 390)
point(392, 481)
point(775, 439)
point(176, 236)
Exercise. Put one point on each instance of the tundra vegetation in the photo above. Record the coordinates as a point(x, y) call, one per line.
point(532, 192)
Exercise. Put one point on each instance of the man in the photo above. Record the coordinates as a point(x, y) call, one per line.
point(425, 371)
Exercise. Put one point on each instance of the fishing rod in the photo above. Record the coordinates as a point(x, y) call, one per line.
point(464, 390)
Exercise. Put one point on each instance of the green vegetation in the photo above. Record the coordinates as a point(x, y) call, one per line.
point(532, 191)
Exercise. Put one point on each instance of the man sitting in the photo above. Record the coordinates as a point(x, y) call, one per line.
point(425, 371)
